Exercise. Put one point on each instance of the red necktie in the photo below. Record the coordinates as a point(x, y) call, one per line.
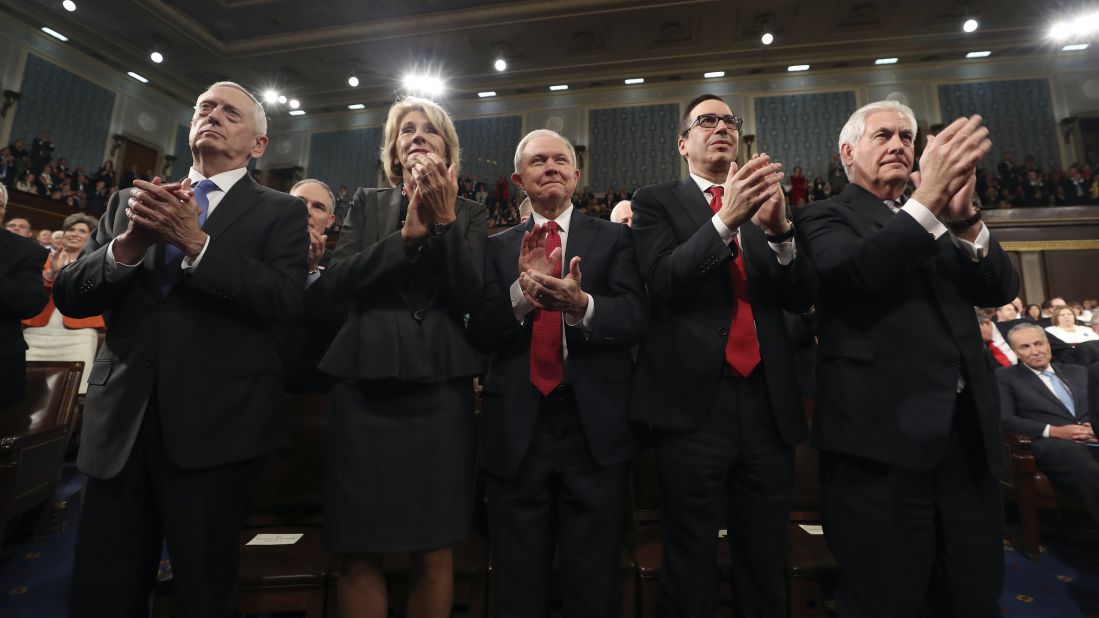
point(547, 364)
point(741, 348)
point(998, 355)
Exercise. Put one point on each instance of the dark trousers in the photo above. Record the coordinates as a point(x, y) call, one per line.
point(734, 459)
point(125, 521)
point(560, 498)
point(917, 542)
point(13, 378)
point(1072, 466)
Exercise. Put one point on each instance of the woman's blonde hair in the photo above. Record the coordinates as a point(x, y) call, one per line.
point(438, 117)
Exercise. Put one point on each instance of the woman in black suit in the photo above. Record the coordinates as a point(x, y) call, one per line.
point(401, 429)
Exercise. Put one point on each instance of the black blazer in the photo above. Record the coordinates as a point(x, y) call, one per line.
point(1027, 406)
point(598, 365)
point(209, 348)
point(897, 330)
point(407, 317)
point(22, 295)
point(685, 265)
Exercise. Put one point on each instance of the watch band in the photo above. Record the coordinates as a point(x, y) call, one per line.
point(783, 237)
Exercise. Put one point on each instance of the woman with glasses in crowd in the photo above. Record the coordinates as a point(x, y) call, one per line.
point(401, 427)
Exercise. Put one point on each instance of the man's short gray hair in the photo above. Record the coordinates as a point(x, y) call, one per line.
point(541, 133)
point(313, 181)
point(1024, 326)
point(852, 132)
point(259, 115)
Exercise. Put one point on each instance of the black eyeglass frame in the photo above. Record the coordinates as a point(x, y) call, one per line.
point(731, 120)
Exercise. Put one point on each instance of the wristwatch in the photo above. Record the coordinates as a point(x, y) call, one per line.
point(438, 230)
point(964, 224)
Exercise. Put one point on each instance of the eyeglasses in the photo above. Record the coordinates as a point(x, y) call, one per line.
point(709, 121)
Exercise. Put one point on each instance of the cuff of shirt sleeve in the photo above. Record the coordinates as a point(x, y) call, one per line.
point(785, 251)
point(113, 270)
point(925, 218)
point(977, 249)
point(585, 323)
point(1045, 432)
point(519, 305)
point(723, 230)
point(189, 264)
point(310, 279)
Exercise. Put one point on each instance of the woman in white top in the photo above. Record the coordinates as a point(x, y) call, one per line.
point(1066, 329)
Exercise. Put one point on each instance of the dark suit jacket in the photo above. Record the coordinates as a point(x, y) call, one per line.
point(686, 266)
point(305, 341)
point(407, 319)
point(598, 365)
point(22, 295)
point(897, 330)
point(1027, 406)
point(208, 351)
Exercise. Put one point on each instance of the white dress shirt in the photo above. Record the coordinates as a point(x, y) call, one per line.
point(522, 308)
point(785, 251)
point(115, 270)
point(977, 249)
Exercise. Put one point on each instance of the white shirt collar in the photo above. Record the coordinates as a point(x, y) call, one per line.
point(1038, 373)
point(224, 180)
point(702, 183)
point(562, 219)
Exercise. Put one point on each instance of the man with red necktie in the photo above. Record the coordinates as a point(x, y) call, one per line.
point(715, 375)
point(563, 305)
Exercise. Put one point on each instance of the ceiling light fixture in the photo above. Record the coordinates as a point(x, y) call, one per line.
point(487, 94)
point(429, 85)
point(295, 104)
point(282, 99)
point(635, 80)
point(559, 87)
point(1075, 47)
point(270, 96)
point(356, 106)
point(767, 38)
point(1080, 27)
point(297, 112)
point(156, 57)
point(713, 74)
point(886, 61)
point(137, 77)
point(353, 81)
point(970, 25)
point(793, 68)
point(500, 64)
point(978, 54)
point(55, 34)
point(69, 5)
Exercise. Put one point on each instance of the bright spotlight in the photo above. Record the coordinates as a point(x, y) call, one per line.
point(156, 57)
point(353, 81)
point(295, 104)
point(767, 38)
point(428, 85)
point(970, 25)
point(282, 99)
point(69, 5)
point(500, 64)
point(1081, 27)
point(270, 96)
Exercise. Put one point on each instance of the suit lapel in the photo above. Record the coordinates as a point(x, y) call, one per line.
point(389, 212)
point(1036, 383)
point(581, 234)
point(1076, 388)
point(693, 201)
point(866, 204)
point(239, 200)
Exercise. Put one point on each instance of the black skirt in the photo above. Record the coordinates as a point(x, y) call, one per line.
point(400, 466)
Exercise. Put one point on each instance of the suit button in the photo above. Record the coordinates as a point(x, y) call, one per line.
point(608, 339)
point(953, 361)
point(150, 363)
point(723, 332)
point(418, 315)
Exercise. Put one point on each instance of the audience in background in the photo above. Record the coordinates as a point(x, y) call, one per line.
point(44, 238)
point(1064, 326)
point(19, 226)
point(34, 170)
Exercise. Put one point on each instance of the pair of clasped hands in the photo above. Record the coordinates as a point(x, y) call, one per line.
point(163, 211)
point(540, 277)
point(432, 189)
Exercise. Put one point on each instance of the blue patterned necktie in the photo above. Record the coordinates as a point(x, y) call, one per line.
point(173, 257)
point(1061, 391)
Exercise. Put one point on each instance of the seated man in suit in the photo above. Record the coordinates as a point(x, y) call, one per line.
point(1048, 403)
point(185, 395)
point(555, 435)
point(22, 296)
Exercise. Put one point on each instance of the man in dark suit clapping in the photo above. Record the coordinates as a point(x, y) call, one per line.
point(185, 395)
point(906, 415)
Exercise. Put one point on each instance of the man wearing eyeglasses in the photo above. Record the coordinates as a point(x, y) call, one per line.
point(715, 376)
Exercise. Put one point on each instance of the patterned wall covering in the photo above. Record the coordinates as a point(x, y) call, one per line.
point(345, 157)
point(75, 111)
point(631, 147)
point(182, 163)
point(1018, 114)
point(488, 146)
point(802, 129)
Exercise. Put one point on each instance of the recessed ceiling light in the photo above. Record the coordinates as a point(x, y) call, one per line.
point(714, 74)
point(886, 61)
point(970, 25)
point(767, 38)
point(55, 34)
point(635, 80)
point(270, 96)
point(69, 5)
point(137, 77)
point(978, 54)
point(500, 64)
point(156, 57)
point(353, 81)
point(797, 67)
point(429, 85)
point(295, 104)
point(282, 99)
point(356, 106)
point(560, 87)
point(486, 94)
point(297, 112)
point(1075, 47)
